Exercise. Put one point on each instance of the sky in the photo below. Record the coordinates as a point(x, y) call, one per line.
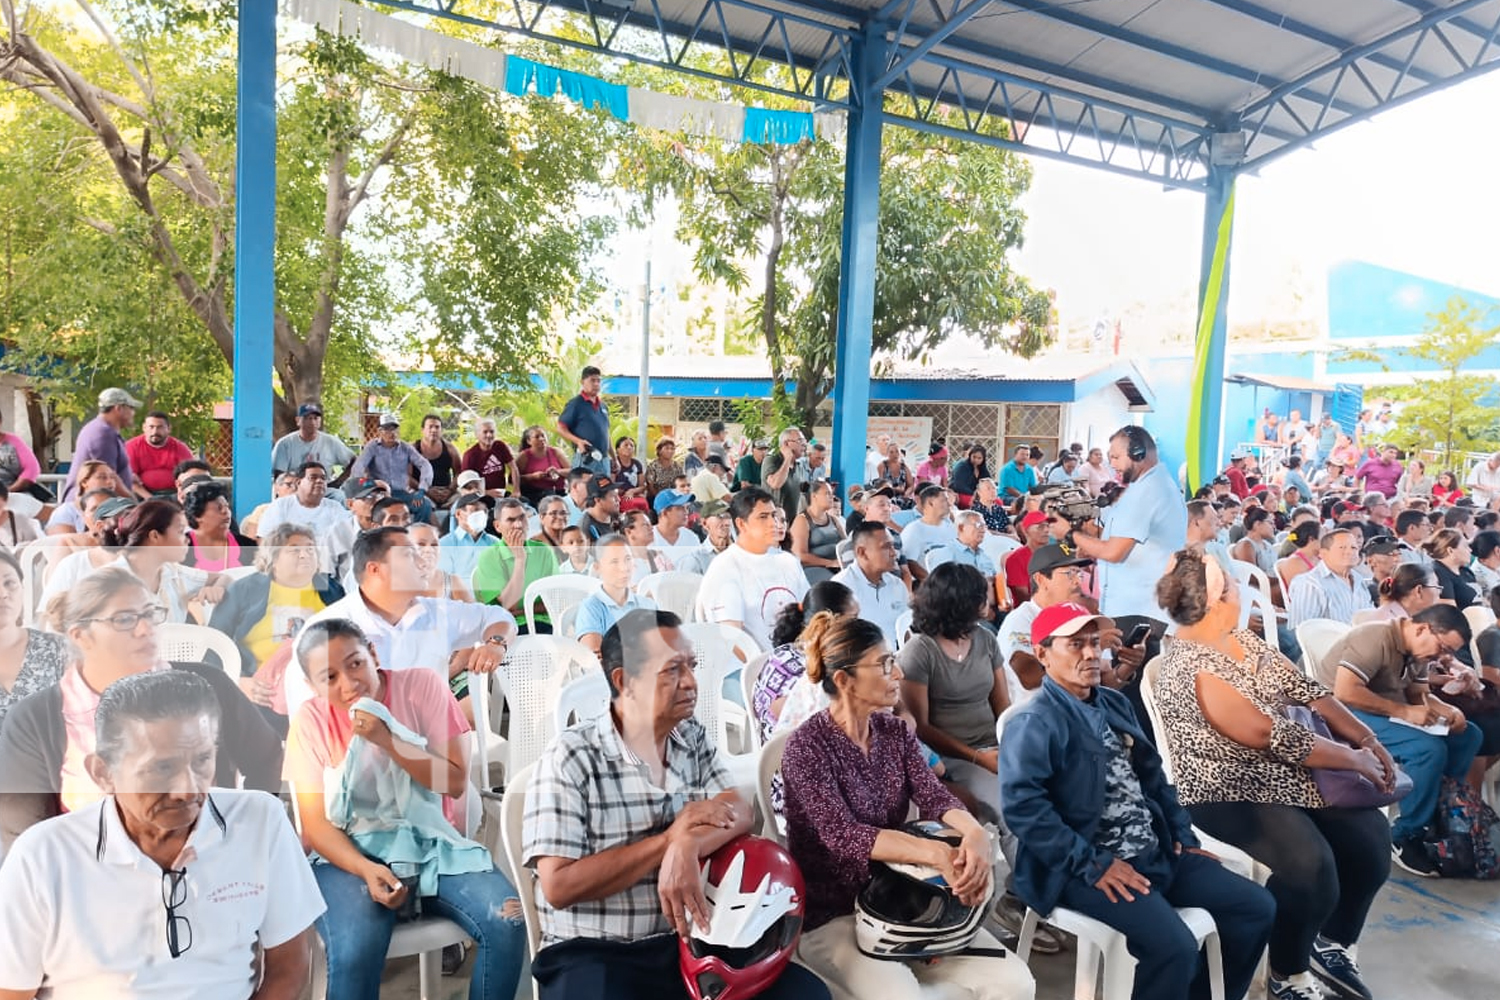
point(1410, 189)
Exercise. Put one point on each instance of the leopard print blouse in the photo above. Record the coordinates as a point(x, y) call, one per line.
point(1210, 767)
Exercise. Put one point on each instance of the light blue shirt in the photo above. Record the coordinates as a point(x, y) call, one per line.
point(598, 612)
point(458, 551)
point(1320, 593)
point(919, 537)
point(958, 553)
point(1151, 512)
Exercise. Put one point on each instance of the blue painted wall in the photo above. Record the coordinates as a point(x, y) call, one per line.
point(1366, 301)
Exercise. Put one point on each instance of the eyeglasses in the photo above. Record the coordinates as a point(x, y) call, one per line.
point(126, 621)
point(886, 663)
point(173, 895)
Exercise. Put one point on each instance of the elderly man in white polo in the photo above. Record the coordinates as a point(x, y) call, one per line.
point(159, 889)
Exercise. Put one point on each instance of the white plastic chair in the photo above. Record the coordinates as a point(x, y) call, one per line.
point(766, 767)
point(531, 681)
point(1367, 615)
point(585, 697)
point(558, 594)
point(239, 572)
point(179, 642)
point(716, 661)
point(512, 824)
point(1253, 600)
point(903, 627)
point(749, 674)
point(1098, 943)
point(673, 591)
point(425, 937)
point(1479, 617)
point(1253, 575)
point(998, 547)
point(33, 560)
point(1317, 636)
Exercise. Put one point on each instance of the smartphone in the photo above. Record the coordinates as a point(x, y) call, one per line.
point(1138, 635)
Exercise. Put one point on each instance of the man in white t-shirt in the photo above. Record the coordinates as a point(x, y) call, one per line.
point(881, 593)
point(332, 524)
point(160, 888)
point(1484, 480)
point(933, 530)
point(749, 583)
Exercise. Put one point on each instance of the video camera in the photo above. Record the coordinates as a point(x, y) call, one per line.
point(1072, 502)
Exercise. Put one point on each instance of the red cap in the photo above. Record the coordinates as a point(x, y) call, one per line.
point(1061, 620)
point(1034, 517)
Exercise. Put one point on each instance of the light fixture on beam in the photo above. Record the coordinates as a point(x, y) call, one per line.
point(1227, 149)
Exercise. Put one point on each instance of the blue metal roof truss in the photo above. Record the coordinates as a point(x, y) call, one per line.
point(947, 56)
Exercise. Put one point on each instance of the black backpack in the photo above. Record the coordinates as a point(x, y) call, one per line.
point(1464, 838)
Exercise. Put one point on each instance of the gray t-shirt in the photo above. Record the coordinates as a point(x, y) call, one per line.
point(958, 694)
point(291, 451)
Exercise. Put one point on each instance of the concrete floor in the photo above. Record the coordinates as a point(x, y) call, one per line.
point(1427, 939)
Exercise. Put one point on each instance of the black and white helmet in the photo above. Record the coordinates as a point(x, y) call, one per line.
point(907, 911)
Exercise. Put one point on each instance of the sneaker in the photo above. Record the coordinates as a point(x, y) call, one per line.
point(453, 958)
point(1010, 912)
point(1411, 855)
point(1302, 986)
point(1333, 964)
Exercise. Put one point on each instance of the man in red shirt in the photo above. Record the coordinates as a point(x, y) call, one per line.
point(1034, 531)
point(154, 455)
point(1238, 485)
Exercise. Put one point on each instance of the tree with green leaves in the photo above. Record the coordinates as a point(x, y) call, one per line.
point(948, 223)
point(1452, 412)
point(415, 211)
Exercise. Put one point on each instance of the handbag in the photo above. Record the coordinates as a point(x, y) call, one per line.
point(1344, 789)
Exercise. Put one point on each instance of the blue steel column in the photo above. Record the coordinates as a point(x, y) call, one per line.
point(851, 386)
point(254, 242)
point(1206, 410)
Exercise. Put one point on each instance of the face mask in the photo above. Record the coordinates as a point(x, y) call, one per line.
point(475, 522)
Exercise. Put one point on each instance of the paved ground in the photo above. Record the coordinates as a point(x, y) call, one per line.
point(1427, 940)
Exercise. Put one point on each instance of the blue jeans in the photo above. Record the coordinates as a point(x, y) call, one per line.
point(356, 931)
point(1427, 759)
point(1168, 964)
point(421, 507)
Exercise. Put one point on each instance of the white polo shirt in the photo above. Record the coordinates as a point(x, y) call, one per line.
point(83, 917)
point(426, 636)
point(882, 603)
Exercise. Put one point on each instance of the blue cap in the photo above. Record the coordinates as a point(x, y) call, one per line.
point(671, 498)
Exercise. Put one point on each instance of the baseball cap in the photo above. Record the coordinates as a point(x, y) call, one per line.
point(713, 508)
point(1345, 507)
point(310, 410)
point(389, 420)
point(715, 459)
point(117, 397)
point(1220, 481)
point(601, 486)
point(760, 444)
point(365, 488)
point(1381, 545)
point(1239, 453)
point(671, 498)
point(113, 507)
point(879, 491)
point(472, 500)
point(1034, 517)
point(1051, 557)
point(468, 476)
point(1061, 620)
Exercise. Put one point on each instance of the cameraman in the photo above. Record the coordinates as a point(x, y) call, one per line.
point(1140, 532)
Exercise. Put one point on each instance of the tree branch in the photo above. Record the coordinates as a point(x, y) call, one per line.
point(387, 151)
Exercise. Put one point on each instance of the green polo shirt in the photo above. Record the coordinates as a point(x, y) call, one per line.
point(497, 564)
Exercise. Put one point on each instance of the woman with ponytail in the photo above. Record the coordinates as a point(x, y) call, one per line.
point(1304, 556)
point(788, 661)
point(1410, 589)
point(852, 774)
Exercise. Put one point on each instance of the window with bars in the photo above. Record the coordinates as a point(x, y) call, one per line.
point(702, 411)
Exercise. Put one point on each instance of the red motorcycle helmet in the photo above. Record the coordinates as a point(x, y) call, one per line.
point(756, 901)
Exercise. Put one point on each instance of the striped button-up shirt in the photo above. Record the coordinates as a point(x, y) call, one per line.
point(1321, 593)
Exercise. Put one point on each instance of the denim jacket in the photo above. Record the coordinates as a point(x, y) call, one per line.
point(1052, 782)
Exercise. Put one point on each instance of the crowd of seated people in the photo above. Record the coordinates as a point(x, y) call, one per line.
point(938, 646)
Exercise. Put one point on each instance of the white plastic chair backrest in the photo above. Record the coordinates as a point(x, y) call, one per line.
point(1149, 673)
point(766, 768)
point(531, 679)
point(585, 697)
point(1253, 575)
point(844, 552)
point(1247, 604)
point(749, 674)
point(1259, 602)
point(179, 642)
point(673, 591)
point(239, 572)
point(998, 547)
point(1005, 718)
point(33, 562)
point(512, 825)
point(1367, 615)
point(741, 643)
point(1479, 618)
point(1317, 636)
point(903, 627)
point(557, 594)
point(716, 661)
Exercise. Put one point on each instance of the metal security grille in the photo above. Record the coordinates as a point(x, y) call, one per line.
point(701, 411)
point(1034, 425)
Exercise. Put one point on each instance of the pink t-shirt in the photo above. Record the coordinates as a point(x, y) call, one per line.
point(418, 699)
point(79, 704)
